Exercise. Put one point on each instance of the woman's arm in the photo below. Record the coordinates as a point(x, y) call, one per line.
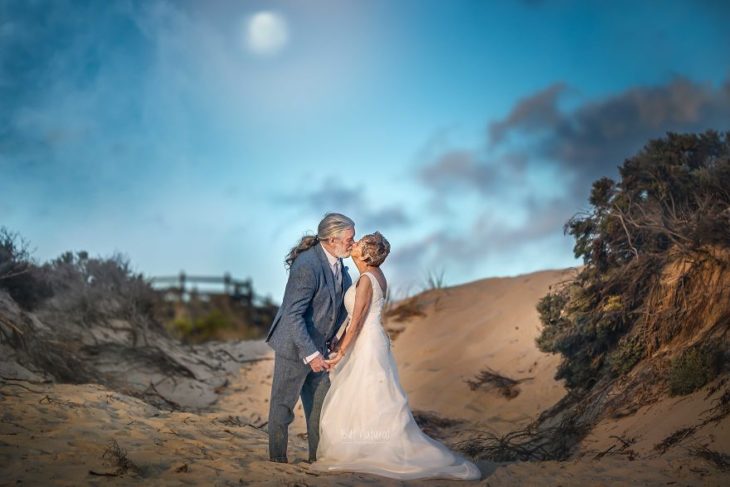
point(363, 296)
point(337, 339)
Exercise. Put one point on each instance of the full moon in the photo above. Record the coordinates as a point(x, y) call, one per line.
point(266, 33)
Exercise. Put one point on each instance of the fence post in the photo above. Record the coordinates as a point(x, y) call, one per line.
point(227, 283)
point(182, 284)
point(249, 292)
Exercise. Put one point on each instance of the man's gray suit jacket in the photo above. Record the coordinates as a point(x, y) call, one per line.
point(312, 310)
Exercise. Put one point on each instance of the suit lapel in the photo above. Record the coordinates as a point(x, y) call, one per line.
point(328, 276)
point(344, 271)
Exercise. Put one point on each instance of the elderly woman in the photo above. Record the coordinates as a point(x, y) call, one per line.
point(366, 424)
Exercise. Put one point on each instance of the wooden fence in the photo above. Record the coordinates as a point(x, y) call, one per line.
point(236, 289)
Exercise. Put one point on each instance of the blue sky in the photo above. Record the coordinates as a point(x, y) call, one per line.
point(466, 132)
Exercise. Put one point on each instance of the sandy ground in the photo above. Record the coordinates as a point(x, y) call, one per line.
point(58, 435)
point(488, 323)
point(67, 434)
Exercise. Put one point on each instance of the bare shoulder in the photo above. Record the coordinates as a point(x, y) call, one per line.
point(379, 278)
point(363, 283)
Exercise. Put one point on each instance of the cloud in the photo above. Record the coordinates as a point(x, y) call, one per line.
point(487, 237)
point(455, 169)
point(531, 113)
point(538, 166)
point(594, 138)
point(332, 195)
point(587, 142)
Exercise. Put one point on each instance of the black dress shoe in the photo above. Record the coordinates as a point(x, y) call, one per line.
point(279, 460)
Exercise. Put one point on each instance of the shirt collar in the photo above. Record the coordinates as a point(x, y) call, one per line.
point(331, 258)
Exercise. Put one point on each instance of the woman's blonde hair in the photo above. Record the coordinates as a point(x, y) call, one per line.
point(331, 225)
point(375, 248)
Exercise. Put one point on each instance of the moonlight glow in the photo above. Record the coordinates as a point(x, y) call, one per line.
point(266, 33)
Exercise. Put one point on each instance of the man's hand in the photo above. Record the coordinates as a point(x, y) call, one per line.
point(318, 364)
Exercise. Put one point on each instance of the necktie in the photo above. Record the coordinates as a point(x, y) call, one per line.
point(338, 275)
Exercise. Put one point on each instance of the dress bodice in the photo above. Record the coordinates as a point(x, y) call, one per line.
point(376, 302)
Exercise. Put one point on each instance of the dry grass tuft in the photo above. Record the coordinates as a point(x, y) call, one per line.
point(716, 458)
point(116, 456)
point(404, 310)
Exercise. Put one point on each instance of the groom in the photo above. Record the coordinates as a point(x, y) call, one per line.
point(303, 330)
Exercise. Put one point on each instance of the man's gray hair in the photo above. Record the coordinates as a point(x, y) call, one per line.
point(330, 226)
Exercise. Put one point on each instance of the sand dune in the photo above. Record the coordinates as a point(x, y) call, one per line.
point(488, 323)
point(62, 434)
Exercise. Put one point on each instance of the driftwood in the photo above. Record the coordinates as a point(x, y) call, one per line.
point(490, 379)
point(716, 414)
point(527, 444)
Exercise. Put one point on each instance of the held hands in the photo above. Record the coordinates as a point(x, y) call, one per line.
point(334, 358)
point(319, 364)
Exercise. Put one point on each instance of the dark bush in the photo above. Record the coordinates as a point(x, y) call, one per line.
point(672, 202)
point(629, 351)
point(694, 368)
point(19, 275)
point(93, 289)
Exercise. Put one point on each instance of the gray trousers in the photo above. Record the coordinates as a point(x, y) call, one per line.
point(292, 379)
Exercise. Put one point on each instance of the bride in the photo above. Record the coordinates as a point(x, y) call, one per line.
point(366, 424)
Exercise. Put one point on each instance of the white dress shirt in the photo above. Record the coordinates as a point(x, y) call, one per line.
point(334, 262)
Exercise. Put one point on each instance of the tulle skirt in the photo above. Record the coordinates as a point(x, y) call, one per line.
point(367, 426)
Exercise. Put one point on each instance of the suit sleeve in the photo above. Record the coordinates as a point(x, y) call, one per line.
point(300, 288)
point(309, 358)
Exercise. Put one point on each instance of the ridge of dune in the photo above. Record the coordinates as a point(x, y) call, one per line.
point(491, 323)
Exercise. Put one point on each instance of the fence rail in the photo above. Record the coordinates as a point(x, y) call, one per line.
point(237, 289)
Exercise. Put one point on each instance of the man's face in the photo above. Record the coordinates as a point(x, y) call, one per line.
point(343, 242)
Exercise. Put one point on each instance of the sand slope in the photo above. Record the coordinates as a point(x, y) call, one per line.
point(488, 323)
point(57, 434)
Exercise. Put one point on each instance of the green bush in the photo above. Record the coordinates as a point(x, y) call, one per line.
point(694, 368)
point(627, 354)
point(204, 327)
point(671, 195)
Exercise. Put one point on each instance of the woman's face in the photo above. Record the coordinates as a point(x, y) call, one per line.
point(356, 252)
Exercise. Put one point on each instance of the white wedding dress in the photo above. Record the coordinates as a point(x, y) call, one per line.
point(366, 424)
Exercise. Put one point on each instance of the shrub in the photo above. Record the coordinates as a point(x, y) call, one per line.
point(434, 280)
point(670, 203)
point(19, 275)
point(627, 354)
point(91, 289)
point(694, 368)
point(204, 327)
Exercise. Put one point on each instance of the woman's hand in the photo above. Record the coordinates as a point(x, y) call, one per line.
point(334, 358)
